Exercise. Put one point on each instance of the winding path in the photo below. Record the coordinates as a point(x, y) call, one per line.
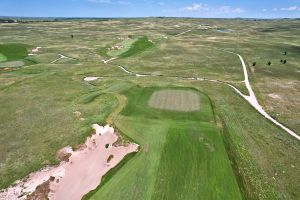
point(60, 57)
point(251, 98)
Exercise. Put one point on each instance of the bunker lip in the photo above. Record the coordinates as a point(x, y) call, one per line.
point(81, 174)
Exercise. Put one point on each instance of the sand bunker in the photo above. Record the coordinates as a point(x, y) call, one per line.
point(88, 79)
point(82, 172)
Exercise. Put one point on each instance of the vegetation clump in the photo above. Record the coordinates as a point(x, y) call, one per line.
point(110, 157)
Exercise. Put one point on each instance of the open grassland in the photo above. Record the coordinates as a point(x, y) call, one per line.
point(38, 101)
point(175, 100)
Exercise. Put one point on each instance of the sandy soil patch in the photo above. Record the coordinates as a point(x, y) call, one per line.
point(77, 175)
point(211, 38)
point(275, 96)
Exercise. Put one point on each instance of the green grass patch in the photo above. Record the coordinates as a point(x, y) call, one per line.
point(2, 57)
point(138, 46)
point(125, 45)
point(129, 48)
point(138, 106)
point(193, 162)
point(14, 51)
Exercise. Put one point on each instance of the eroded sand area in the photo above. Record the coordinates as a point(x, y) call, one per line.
point(80, 173)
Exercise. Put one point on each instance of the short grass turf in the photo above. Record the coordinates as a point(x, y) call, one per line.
point(175, 100)
point(13, 51)
point(2, 57)
point(126, 46)
point(131, 47)
point(181, 157)
point(138, 46)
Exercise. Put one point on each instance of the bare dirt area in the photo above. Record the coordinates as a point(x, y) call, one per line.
point(79, 172)
point(175, 100)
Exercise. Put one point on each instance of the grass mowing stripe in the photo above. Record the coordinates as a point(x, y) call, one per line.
point(194, 165)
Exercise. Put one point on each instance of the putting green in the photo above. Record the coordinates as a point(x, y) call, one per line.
point(2, 57)
point(176, 100)
point(182, 154)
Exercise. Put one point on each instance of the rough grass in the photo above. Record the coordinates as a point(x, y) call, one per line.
point(12, 64)
point(38, 124)
point(176, 100)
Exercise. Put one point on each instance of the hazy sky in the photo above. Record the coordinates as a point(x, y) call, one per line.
point(145, 8)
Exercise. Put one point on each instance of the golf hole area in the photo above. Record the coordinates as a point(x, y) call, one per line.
point(175, 100)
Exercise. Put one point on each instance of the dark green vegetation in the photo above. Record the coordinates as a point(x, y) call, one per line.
point(14, 51)
point(139, 46)
point(38, 101)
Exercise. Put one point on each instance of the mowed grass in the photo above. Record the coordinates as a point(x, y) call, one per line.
point(175, 100)
point(127, 43)
point(131, 46)
point(2, 57)
point(138, 46)
point(13, 51)
point(180, 157)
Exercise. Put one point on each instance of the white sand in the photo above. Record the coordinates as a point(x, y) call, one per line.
point(84, 170)
point(107, 61)
point(93, 78)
